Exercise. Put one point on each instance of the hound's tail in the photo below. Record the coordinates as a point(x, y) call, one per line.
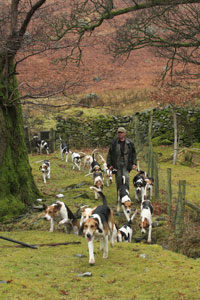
point(133, 216)
point(100, 193)
point(93, 159)
point(103, 160)
point(123, 179)
point(93, 152)
point(39, 161)
point(130, 222)
point(83, 153)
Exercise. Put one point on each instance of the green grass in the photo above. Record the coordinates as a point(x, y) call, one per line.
point(52, 272)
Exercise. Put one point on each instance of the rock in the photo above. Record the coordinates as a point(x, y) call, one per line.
point(91, 100)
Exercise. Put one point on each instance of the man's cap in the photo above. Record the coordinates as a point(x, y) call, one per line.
point(121, 129)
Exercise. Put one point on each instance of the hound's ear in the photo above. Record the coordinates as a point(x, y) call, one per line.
point(93, 210)
point(97, 221)
point(77, 213)
point(81, 230)
point(83, 208)
point(57, 206)
point(44, 206)
point(40, 167)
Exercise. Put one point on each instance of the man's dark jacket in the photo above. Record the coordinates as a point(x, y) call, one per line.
point(113, 154)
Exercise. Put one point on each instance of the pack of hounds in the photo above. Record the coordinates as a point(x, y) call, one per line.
point(98, 222)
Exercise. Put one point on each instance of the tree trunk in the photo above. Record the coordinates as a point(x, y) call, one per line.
point(17, 187)
point(175, 137)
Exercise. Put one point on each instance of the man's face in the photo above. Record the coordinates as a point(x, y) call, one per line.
point(121, 135)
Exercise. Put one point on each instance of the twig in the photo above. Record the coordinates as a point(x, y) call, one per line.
point(59, 244)
point(21, 243)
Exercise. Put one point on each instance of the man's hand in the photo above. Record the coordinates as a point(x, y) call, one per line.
point(110, 168)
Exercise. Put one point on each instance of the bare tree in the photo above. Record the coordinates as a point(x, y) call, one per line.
point(172, 32)
point(170, 28)
point(24, 32)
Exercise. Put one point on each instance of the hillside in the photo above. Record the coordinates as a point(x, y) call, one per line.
point(98, 72)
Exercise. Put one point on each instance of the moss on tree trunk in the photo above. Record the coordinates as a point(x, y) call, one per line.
point(17, 187)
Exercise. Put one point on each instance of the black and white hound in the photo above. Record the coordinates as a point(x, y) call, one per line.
point(76, 160)
point(95, 166)
point(124, 200)
point(40, 145)
point(143, 185)
point(59, 211)
point(99, 224)
point(125, 232)
point(46, 170)
point(64, 150)
point(139, 186)
point(146, 218)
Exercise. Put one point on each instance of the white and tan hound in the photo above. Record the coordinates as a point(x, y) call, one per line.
point(98, 183)
point(108, 173)
point(86, 212)
point(88, 159)
point(60, 212)
point(46, 170)
point(149, 186)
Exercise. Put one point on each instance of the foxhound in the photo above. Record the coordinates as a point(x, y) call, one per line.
point(99, 224)
point(76, 160)
point(64, 150)
point(88, 159)
point(45, 168)
point(140, 186)
point(40, 145)
point(107, 172)
point(146, 218)
point(59, 211)
point(124, 200)
point(125, 232)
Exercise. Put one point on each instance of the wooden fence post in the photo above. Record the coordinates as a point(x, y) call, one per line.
point(169, 193)
point(180, 211)
point(156, 177)
point(150, 150)
point(137, 141)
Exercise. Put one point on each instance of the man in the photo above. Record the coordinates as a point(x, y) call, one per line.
point(122, 157)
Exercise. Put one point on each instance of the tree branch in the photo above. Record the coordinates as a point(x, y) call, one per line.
point(29, 15)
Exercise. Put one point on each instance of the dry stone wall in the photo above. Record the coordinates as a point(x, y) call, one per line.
point(82, 132)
